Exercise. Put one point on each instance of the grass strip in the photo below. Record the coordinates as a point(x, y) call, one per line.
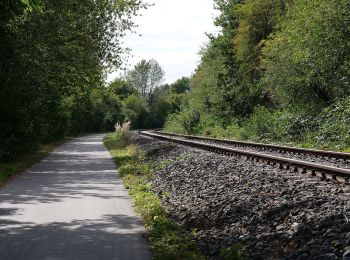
point(14, 167)
point(168, 240)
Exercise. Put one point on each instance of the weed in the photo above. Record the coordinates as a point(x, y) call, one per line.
point(231, 253)
point(168, 240)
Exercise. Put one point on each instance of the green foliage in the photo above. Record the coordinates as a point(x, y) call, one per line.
point(150, 109)
point(231, 253)
point(307, 59)
point(7, 170)
point(135, 169)
point(275, 73)
point(181, 85)
point(122, 88)
point(256, 21)
point(334, 126)
point(136, 110)
point(54, 55)
point(274, 65)
point(172, 124)
point(146, 76)
point(168, 240)
point(184, 122)
point(144, 101)
point(223, 85)
point(329, 129)
point(262, 124)
point(163, 104)
point(208, 125)
point(204, 95)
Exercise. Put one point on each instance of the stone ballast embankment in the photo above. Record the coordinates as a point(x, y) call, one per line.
point(271, 213)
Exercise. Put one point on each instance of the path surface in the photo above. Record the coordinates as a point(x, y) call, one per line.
point(72, 205)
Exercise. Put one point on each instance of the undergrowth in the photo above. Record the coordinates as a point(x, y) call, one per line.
point(168, 240)
point(329, 129)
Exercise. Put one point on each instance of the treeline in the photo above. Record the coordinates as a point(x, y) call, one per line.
point(279, 70)
point(144, 99)
point(54, 56)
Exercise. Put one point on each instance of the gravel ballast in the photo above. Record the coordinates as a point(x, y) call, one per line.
point(271, 213)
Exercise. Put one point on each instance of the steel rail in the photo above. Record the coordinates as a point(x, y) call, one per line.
point(280, 148)
point(283, 163)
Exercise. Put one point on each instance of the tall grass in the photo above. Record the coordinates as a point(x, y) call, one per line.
point(124, 130)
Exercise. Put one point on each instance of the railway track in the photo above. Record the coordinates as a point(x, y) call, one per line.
point(266, 147)
point(330, 158)
point(266, 153)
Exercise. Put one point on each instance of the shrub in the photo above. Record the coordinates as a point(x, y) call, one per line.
point(263, 124)
point(184, 122)
point(306, 60)
point(296, 126)
point(334, 126)
point(136, 110)
point(172, 124)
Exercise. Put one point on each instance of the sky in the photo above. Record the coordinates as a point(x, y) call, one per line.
point(172, 32)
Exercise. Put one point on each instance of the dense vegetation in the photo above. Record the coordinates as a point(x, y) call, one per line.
point(54, 59)
point(145, 101)
point(279, 70)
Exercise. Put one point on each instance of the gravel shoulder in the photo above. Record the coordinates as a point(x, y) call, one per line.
point(271, 213)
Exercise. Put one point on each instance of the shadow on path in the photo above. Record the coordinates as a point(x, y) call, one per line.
point(72, 205)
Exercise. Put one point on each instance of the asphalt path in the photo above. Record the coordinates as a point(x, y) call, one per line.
point(71, 205)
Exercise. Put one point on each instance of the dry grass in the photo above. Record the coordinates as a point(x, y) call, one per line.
point(117, 127)
point(123, 129)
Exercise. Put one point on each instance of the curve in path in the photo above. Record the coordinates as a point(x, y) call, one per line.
point(72, 205)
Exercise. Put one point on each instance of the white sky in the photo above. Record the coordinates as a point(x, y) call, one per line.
point(172, 33)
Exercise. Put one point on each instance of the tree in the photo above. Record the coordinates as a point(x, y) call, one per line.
point(136, 110)
point(220, 87)
point(156, 75)
point(122, 88)
point(167, 99)
point(54, 55)
point(146, 76)
point(307, 60)
point(257, 19)
point(181, 85)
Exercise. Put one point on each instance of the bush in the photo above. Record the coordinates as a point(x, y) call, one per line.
point(306, 61)
point(136, 110)
point(208, 126)
point(172, 124)
point(184, 122)
point(277, 126)
point(296, 126)
point(334, 126)
point(263, 124)
point(329, 129)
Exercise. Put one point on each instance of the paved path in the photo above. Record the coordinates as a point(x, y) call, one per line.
point(72, 205)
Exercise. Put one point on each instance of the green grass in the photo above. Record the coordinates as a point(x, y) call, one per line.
point(17, 166)
point(167, 239)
